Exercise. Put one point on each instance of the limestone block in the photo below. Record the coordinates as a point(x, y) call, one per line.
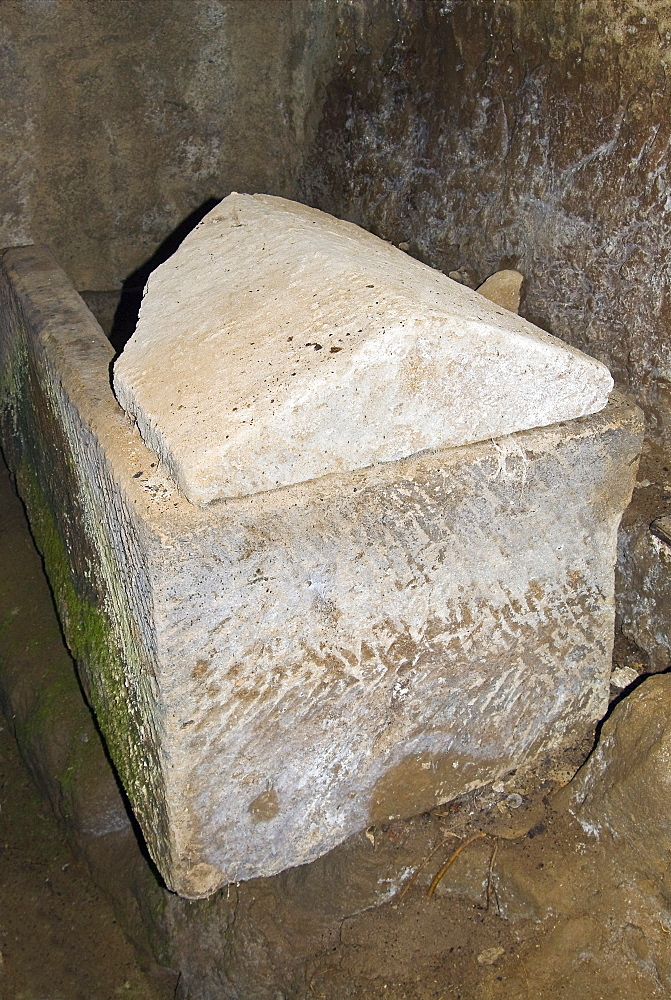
point(279, 344)
point(273, 673)
point(504, 288)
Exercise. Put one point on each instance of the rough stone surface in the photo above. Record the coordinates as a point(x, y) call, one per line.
point(504, 288)
point(579, 919)
point(528, 135)
point(121, 119)
point(645, 611)
point(42, 701)
point(661, 528)
point(622, 792)
point(644, 579)
point(274, 673)
point(301, 345)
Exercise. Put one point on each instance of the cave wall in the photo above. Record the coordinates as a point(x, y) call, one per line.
point(517, 133)
point(119, 119)
point(482, 133)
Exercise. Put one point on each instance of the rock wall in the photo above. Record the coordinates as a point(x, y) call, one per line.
point(482, 133)
point(488, 134)
point(121, 119)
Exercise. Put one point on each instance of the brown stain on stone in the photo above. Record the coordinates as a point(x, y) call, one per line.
point(200, 669)
point(421, 781)
point(534, 594)
point(264, 807)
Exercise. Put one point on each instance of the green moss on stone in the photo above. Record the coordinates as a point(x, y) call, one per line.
point(89, 634)
point(41, 436)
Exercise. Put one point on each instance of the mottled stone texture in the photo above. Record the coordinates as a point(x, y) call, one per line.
point(531, 134)
point(621, 794)
point(120, 119)
point(274, 673)
point(42, 702)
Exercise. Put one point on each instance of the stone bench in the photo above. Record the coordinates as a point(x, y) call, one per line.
point(276, 670)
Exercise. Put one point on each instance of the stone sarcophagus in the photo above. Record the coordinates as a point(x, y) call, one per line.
point(325, 573)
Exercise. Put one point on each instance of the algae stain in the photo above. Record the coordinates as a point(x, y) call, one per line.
point(89, 634)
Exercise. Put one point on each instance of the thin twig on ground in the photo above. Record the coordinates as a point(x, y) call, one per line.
point(450, 861)
point(424, 863)
point(490, 884)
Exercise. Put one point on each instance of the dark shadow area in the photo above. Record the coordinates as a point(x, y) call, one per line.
point(125, 317)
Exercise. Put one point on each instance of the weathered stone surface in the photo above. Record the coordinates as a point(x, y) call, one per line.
point(622, 792)
point(274, 935)
point(42, 702)
point(504, 288)
point(122, 119)
point(661, 528)
point(301, 345)
point(644, 588)
point(274, 673)
point(468, 131)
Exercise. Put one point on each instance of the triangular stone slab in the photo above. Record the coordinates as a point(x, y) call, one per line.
point(279, 344)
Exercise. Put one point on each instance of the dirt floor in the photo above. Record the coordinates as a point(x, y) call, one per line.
point(543, 916)
point(59, 938)
point(555, 919)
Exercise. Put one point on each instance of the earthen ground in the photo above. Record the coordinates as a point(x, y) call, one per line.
point(59, 937)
